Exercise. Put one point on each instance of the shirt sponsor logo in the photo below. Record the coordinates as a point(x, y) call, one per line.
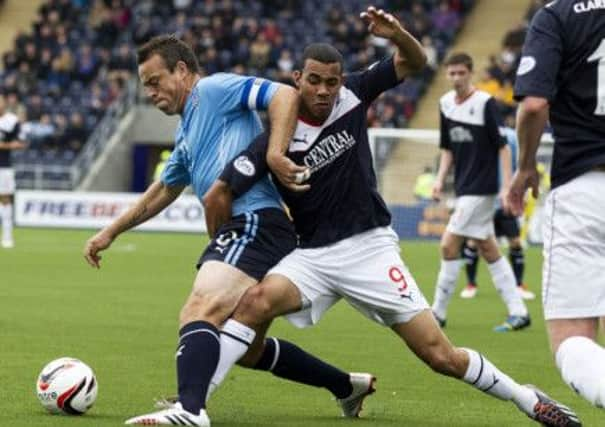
point(460, 134)
point(244, 166)
point(329, 149)
point(587, 6)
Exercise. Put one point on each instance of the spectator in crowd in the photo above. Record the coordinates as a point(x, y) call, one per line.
point(72, 60)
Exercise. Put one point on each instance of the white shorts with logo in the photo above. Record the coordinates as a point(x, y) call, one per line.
point(7, 181)
point(473, 217)
point(366, 270)
point(573, 273)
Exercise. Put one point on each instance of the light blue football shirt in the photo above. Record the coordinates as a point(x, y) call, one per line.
point(220, 120)
point(511, 140)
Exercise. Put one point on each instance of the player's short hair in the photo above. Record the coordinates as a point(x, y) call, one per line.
point(322, 52)
point(460, 58)
point(171, 50)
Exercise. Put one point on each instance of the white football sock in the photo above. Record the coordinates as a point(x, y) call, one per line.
point(446, 284)
point(506, 284)
point(484, 376)
point(581, 362)
point(6, 215)
point(235, 340)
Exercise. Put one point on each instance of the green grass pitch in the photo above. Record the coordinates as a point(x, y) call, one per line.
point(122, 320)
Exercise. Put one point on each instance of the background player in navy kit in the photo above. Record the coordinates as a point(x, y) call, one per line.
point(472, 142)
point(244, 248)
point(505, 225)
point(9, 140)
point(347, 247)
point(562, 75)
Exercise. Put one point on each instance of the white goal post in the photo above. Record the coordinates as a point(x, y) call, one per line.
point(400, 155)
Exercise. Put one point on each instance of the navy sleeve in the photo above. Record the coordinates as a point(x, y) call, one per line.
point(369, 84)
point(444, 135)
point(248, 167)
point(541, 57)
point(493, 123)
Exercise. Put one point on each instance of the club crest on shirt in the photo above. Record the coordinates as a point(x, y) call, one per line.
point(244, 166)
point(460, 134)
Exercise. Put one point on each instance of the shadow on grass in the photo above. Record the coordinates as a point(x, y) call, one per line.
point(327, 421)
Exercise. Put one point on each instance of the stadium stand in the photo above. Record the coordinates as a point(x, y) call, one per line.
point(498, 78)
point(62, 77)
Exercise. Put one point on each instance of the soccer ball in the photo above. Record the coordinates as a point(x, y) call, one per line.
point(67, 386)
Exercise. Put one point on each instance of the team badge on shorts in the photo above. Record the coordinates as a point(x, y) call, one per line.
point(223, 241)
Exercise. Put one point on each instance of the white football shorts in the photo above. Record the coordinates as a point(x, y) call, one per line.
point(473, 216)
point(365, 270)
point(573, 285)
point(7, 181)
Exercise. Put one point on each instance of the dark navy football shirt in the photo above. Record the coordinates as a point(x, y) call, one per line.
point(9, 131)
point(563, 60)
point(343, 200)
point(471, 131)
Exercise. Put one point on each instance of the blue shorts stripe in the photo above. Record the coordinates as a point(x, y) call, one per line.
point(248, 239)
point(240, 240)
point(260, 98)
point(246, 93)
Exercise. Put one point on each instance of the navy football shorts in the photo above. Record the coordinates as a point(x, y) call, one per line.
point(506, 225)
point(253, 242)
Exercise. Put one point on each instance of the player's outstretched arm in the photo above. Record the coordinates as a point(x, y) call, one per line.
point(532, 116)
point(283, 112)
point(410, 56)
point(153, 201)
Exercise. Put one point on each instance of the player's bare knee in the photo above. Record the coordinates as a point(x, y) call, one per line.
point(449, 251)
point(209, 308)
point(515, 243)
point(488, 249)
point(254, 307)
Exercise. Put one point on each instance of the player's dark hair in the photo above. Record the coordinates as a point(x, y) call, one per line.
point(322, 52)
point(171, 50)
point(460, 58)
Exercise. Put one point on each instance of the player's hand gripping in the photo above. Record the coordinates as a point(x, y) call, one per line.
point(522, 180)
point(380, 23)
point(100, 241)
point(289, 173)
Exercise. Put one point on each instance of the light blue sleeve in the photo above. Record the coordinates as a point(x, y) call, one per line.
point(235, 93)
point(175, 172)
point(511, 139)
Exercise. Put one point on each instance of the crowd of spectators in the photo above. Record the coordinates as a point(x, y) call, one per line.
point(498, 78)
point(62, 75)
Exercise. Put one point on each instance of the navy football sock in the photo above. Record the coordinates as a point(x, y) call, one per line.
point(289, 361)
point(471, 259)
point(517, 261)
point(196, 360)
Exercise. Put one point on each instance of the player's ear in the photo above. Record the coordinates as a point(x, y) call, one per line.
point(181, 68)
point(296, 76)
